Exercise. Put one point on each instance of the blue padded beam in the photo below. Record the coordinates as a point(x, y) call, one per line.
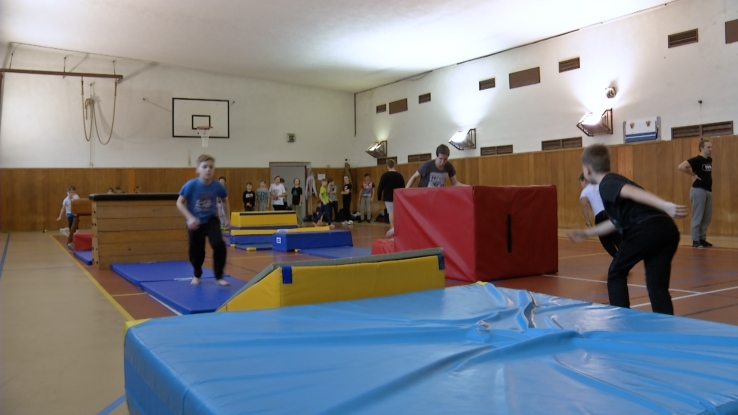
point(285, 241)
point(337, 252)
point(251, 239)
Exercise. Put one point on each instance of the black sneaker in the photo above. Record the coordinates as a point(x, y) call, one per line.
point(696, 244)
point(705, 244)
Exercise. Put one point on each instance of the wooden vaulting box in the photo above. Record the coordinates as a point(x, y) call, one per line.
point(143, 227)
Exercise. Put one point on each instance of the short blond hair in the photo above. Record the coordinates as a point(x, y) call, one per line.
point(205, 157)
point(598, 157)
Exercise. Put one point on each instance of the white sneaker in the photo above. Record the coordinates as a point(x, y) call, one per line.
point(350, 222)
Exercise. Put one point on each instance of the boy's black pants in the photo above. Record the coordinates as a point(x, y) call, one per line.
point(653, 241)
point(609, 242)
point(211, 229)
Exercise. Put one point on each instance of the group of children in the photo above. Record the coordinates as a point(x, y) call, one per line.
point(633, 224)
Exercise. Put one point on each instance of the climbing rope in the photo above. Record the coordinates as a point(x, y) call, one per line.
point(89, 103)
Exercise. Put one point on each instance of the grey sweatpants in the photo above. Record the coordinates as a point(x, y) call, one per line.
point(701, 212)
point(365, 204)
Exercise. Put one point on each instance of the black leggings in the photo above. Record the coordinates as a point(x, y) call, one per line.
point(609, 242)
point(211, 229)
point(334, 208)
point(653, 241)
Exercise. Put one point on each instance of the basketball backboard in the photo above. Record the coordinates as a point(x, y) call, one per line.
point(189, 113)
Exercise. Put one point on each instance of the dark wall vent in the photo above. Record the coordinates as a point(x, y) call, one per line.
point(381, 108)
point(422, 99)
point(487, 84)
point(413, 158)
point(398, 106)
point(573, 142)
point(716, 129)
point(524, 78)
point(731, 31)
point(683, 38)
point(569, 65)
point(493, 150)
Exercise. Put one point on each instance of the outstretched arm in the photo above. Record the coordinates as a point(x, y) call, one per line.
point(604, 228)
point(585, 210)
point(647, 198)
point(455, 182)
point(411, 180)
point(192, 222)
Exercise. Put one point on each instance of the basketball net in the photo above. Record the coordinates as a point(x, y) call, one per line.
point(204, 132)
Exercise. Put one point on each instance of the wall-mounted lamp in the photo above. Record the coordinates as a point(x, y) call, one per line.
point(378, 149)
point(464, 139)
point(592, 124)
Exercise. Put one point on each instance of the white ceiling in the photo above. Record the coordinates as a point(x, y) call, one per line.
point(347, 45)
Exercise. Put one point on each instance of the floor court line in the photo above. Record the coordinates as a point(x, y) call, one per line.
point(126, 295)
point(690, 296)
point(110, 408)
point(89, 276)
point(582, 256)
point(5, 253)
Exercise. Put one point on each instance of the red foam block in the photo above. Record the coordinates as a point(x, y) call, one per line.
point(82, 242)
point(383, 246)
point(487, 232)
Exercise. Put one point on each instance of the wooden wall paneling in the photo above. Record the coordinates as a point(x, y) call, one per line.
point(725, 199)
point(624, 163)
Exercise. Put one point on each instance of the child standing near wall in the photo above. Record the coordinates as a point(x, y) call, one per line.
point(324, 206)
point(333, 196)
point(297, 204)
point(262, 196)
point(67, 206)
point(198, 204)
point(645, 222)
point(221, 210)
point(249, 198)
point(346, 195)
point(365, 201)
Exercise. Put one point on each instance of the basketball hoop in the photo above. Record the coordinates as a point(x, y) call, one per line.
point(204, 132)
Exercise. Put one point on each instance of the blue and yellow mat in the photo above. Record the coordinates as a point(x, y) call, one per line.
point(473, 349)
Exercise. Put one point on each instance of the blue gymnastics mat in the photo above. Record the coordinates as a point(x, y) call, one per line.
point(289, 241)
point(186, 298)
point(260, 228)
point(254, 247)
point(473, 349)
point(84, 256)
point(140, 272)
point(337, 252)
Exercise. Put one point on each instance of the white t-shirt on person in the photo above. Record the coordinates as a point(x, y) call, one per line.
point(592, 193)
point(276, 192)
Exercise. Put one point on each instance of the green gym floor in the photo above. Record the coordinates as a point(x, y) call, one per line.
point(61, 322)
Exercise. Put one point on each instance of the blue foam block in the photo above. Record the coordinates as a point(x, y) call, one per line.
point(186, 298)
point(84, 256)
point(141, 272)
point(285, 241)
point(473, 349)
point(251, 239)
point(338, 252)
point(258, 247)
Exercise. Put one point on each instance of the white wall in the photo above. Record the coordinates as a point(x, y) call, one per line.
point(631, 53)
point(42, 126)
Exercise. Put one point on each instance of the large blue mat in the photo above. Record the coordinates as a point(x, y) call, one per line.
point(250, 239)
point(337, 252)
point(141, 272)
point(186, 298)
point(84, 256)
point(472, 349)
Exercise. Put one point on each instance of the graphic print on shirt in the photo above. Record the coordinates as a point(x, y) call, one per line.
point(707, 167)
point(204, 203)
point(436, 179)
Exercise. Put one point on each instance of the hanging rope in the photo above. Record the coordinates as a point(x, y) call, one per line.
point(90, 103)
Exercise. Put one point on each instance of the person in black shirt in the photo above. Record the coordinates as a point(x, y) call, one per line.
point(700, 168)
point(297, 199)
point(644, 221)
point(346, 196)
point(249, 198)
point(390, 181)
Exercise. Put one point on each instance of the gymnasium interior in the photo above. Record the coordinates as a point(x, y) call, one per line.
point(479, 304)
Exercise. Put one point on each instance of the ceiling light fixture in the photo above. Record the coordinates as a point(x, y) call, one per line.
point(465, 139)
point(378, 149)
point(592, 124)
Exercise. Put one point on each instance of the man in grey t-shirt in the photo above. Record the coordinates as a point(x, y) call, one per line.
point(433, 173)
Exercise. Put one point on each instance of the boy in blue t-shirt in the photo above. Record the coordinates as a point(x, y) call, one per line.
point(198, 204)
